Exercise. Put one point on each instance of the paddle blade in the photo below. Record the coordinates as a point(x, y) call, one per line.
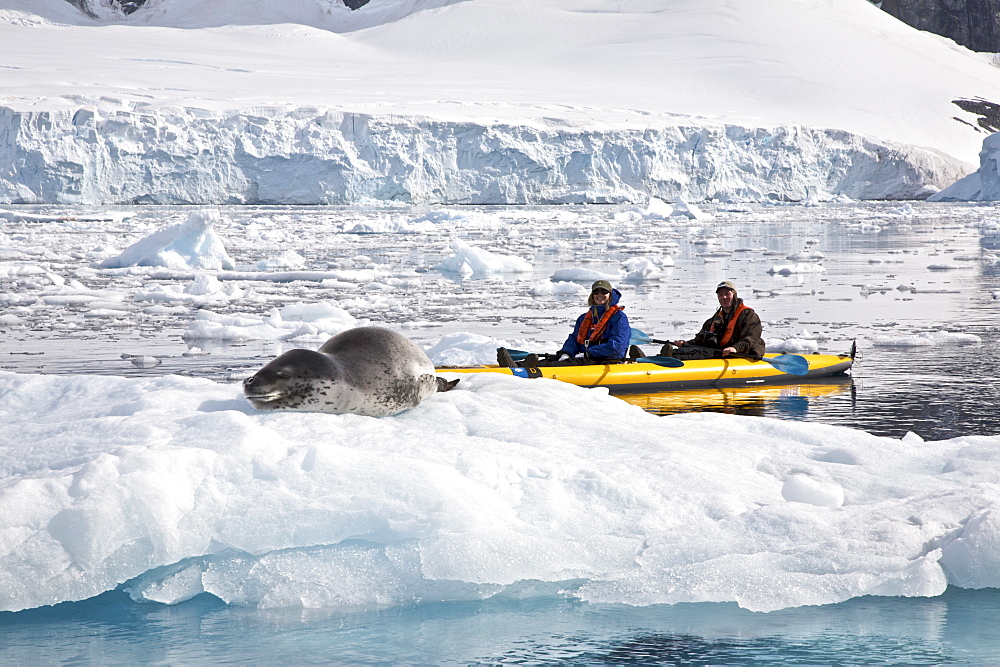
point(792, 364)
point(639, 338)
point(518, 355)
point(667, 362)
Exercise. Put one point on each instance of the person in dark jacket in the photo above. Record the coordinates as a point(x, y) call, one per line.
point(600, 336)
point(734, 329)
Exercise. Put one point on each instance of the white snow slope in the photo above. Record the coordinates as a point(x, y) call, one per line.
point(479, 101)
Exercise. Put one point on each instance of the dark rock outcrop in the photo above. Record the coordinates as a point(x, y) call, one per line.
point(972, 23)
point(127, 6)
point(130, 6)
point(988, 112)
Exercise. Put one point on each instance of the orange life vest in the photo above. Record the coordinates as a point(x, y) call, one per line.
point(590, 331)
point(727, 336)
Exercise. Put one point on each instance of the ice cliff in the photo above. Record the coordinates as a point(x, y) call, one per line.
point(981, 185)
point(303, 155)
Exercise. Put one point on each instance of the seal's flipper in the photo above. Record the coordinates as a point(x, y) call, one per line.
point(445, 385)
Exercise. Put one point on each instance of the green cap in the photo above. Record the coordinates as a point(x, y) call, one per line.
point(601, 284)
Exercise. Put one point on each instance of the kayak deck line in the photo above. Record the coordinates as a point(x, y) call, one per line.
point(640, 377)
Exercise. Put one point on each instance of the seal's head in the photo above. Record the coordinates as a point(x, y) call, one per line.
point(292, 381)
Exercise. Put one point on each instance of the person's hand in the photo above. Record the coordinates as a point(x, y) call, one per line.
point(679, 343)
point(563, 356)
point(726, 351)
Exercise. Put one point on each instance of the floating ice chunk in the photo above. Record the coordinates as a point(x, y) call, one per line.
point(12, 321)
point(715, 253)
point(465, 349)
point(641, 268)
point(927, 339)
point(286, 260)
point(900, 211)
point(142, 360)
point(789, 269)
point(320, 320)
point(557, 289)
point(684, 209)
point(795, 345)
point(657, 209)
point(471, 261)
point(581, 275)
point(912, 437)
point(808, 335)
point(806, 489)
point(204, 284)
point(106, 313)
point(204, 290)
point(192, 244)
point(945, 266)
point(557, 247)
point(806, 256)
point(385, 225)
point(21, 270)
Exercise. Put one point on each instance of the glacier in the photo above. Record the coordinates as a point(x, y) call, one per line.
point(311, 155)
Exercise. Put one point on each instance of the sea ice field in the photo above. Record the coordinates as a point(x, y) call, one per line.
point(136, 479)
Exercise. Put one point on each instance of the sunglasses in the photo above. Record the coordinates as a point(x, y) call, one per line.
point(600, 291)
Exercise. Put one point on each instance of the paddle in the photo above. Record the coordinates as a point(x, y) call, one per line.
point(792, 364)
point(668, 362)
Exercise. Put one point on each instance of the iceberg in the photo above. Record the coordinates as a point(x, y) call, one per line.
point(174, 486)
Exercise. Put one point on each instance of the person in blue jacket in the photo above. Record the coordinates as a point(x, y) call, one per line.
point(601, 334)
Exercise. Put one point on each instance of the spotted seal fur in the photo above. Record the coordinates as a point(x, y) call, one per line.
point(364, 371)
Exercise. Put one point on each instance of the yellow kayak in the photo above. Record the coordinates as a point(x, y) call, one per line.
point(643, 377)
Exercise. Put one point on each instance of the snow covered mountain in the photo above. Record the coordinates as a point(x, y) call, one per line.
point(466, 101)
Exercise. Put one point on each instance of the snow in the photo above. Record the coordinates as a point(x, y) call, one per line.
point(310, 103)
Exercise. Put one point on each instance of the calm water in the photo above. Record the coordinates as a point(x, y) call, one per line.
point(870, 250)
point(958, 627)
point(938, 391)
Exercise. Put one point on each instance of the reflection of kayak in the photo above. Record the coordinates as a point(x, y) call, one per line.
point(632, 378)
point(747, 399)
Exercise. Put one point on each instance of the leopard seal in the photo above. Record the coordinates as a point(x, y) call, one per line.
point(363, 371)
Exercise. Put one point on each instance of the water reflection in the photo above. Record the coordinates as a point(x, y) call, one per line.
point(790, 401)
